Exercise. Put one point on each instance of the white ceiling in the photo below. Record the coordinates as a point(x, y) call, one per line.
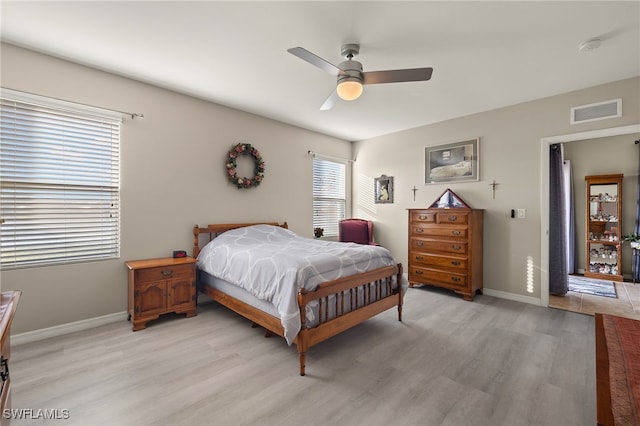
point(485, 55)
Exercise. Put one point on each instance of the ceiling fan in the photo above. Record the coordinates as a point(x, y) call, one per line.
point(351, 77)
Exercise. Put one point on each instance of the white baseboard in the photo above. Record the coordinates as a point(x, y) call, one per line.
point(511, 296)
point(59, 330)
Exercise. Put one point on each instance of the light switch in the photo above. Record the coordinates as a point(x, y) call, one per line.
point(522, 213)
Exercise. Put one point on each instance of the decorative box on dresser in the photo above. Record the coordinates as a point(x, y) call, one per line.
point(160, 286)
point(445, 246)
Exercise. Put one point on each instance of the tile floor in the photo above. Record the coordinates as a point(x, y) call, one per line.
point(627, 304)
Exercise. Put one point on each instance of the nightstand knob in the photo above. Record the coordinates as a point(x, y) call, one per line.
point(167, 272)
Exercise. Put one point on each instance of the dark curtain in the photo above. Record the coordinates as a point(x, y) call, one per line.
point(570, 217)
point(634, 253)
point(558, 281)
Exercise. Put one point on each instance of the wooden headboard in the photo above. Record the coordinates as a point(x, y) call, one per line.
point(215, 229)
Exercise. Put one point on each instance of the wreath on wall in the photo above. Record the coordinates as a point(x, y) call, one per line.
point(232, 163)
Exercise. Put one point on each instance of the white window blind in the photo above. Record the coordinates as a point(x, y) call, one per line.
point(329, 195)
point(59, 182)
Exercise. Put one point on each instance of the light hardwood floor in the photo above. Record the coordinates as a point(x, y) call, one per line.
point(626, 304)
point(450, 362)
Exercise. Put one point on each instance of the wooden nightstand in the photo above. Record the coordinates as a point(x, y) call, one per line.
point(159, 286)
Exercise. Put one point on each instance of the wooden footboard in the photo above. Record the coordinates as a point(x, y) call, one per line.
point(343, 303)
point(380, 292)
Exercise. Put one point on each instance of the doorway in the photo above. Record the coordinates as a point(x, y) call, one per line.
point(544, 197)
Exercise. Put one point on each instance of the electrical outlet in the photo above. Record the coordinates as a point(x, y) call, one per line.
point(522, 213)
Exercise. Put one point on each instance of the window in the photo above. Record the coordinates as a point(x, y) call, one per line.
point(59, 181)
point(329, 195)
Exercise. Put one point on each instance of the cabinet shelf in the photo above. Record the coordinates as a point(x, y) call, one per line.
point(608, 260)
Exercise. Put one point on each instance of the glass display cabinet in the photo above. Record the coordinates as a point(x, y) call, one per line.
point(603, 227)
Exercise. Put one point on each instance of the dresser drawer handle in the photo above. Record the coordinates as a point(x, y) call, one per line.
point(455, 279)
point(423, 217)
point(419, 258)
point(418, 272)
point(456, 232)
point(453, 218)
point(167, 272)
point(419, 243)
point(455, 262)
point(456, 247)
point(419, 230)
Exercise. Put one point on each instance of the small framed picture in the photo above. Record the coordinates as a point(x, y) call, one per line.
point(384, 189)
point(453, 162)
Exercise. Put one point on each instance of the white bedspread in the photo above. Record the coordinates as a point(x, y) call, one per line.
point(273, 263)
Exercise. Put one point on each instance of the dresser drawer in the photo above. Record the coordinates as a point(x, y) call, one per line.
point(459, 247)
point(452, 217)
point(165, 273)
point(425, 259)
point(422, 216)
point(429, 276)
point(439, 231)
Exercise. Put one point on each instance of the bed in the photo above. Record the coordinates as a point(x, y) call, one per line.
point(287, 284)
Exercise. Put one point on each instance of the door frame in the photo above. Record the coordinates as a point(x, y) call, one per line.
point(544, 192)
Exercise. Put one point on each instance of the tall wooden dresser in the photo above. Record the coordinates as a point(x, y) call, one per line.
point(445, 246)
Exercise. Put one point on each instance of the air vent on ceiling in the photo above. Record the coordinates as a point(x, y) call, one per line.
point(597, 111)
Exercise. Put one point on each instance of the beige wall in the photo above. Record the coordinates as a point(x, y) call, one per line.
point(173, 177)
point(601, 156)
point(510, 152)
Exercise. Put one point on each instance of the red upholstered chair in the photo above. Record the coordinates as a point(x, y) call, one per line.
point(356, 231)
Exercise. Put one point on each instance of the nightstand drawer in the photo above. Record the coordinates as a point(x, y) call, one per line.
point(165, 273)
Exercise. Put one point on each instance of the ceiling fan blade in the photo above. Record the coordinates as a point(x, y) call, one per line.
point(330, 102)
point(397, 76)
point(316, 60)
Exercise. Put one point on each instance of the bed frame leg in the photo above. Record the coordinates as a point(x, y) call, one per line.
point(400, 313)
point(302, 358)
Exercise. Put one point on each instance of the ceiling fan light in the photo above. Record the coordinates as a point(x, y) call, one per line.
point(349, 90)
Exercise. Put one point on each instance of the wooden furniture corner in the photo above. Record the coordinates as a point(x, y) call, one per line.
point(8, 304)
